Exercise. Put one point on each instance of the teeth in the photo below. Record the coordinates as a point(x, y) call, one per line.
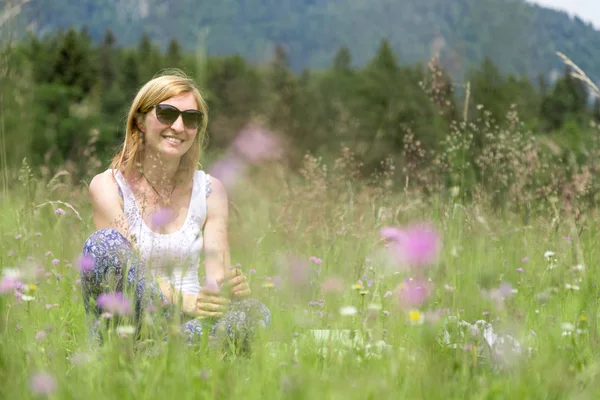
point(173, 140)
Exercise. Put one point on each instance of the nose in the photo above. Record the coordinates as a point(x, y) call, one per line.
point(177, 125)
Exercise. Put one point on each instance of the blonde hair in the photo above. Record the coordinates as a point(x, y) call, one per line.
point(169, 83)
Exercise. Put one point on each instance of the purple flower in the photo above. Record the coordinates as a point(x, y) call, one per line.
point(413, 293)
point(416, 246)
point(42, 384)
point(520, 270)
point(162, 216)
point(254, 144)
point(525, 259)
point(115, 303)
point(252, 271)
point(86, 263)
point(59, 211)
point(316, 260)
point(55, 261)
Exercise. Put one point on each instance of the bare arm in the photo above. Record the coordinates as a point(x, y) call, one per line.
point(216, 242)
point(107, 205)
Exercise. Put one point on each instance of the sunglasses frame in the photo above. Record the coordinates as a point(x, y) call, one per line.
point(179, 112)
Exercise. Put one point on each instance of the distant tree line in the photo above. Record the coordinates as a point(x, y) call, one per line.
point(64, 98)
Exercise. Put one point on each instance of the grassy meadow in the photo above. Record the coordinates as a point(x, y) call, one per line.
point(311, 245)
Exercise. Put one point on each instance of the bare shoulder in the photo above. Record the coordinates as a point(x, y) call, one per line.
point(103, 186)
point(217, 199)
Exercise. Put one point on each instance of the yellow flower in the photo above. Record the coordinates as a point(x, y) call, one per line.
point(415, 317)
point(584, 318)
point(32, 287)
point(268, 284)
point(357, 286)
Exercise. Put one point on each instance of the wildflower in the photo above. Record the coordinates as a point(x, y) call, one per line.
point(416, 246)
point(115, 303)
point(520, 270)
point(568, 286)
point(567, 328)
point(485, 313)
point(583, 318)
point(357, 286)
point(86, 263)
point(41, 335)
point(415, 317)
point(59, 211)
point(38, 234)
point(42, 384)
point(80, 358)
point(228, 170)
point(268, 284)
point(525, 259)
point(549, 255)
point(49, 306)
point(125, 330)
point(332, 285)
point(413, 293)
point(18, 236)
point(25, 297)
point(568, 239)
point(252, 271)
point(55, 261)
point(162, 216)
point(348, 311)
point(374, 306)
point(47, 253)
point(8, 284)
point(388, 293)
point(254, 144)
point(316, 260)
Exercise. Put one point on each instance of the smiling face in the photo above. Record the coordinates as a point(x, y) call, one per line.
point(174, 140)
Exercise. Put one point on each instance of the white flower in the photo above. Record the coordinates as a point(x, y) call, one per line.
point(568, 286)
point(567, 326)
point(549, 254)
point(27, 298)
point(125, 330)
point(374, 307)
point(11, 272)
point(348, 310)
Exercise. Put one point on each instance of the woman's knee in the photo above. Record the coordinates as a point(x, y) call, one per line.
point(103, 239)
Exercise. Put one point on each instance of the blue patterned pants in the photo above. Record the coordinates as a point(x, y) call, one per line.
point(114, 256)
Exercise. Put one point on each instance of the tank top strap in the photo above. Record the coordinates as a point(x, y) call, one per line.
point(200, 193)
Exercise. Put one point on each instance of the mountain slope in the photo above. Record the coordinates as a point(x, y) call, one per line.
point(518, 36)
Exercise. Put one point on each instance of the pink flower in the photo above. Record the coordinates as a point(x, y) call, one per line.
point(520, 270)
point(316, 260)
point(41, 335)
point(18, 236)
point(38, 234)
point(8, 284)
point(415, 246)
point(59, 211)
point(56, 261)
point(333, 285)
point(115, 303)
point(49, 306)
point(254, 144)
point(42, 384)
point(47, 253)
point(86, 263)
point(525, 259)
point(162, 216)
point(413, 293)
point(228, 170)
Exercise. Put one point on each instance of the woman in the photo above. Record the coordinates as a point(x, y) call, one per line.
point(154, 213)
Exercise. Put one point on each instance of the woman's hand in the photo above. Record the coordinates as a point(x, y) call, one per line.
point(237, 284)
point(210, 303)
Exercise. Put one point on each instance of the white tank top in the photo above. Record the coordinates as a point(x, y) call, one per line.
point(173, 256)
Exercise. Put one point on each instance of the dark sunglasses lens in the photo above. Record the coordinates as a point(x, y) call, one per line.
point(166, 114)
point(192, 119)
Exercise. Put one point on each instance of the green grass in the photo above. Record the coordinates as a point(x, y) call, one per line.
point(480, 251)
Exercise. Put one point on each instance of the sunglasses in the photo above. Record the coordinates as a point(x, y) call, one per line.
point(167, 114)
